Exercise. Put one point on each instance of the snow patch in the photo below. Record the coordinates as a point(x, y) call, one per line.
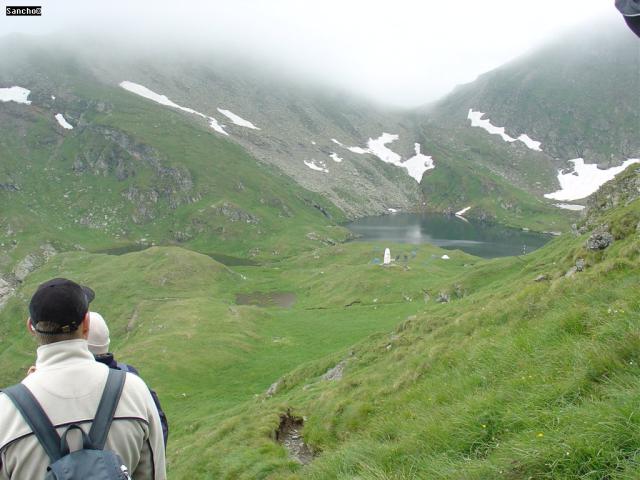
point(63, 122)
point(378, 147)
point(334, 156)
point(529, 142)
point(477, 121)
point(418, 164)
point(213, 123)
point(392, 210)
point(460, 213)
point(358, 150)
point(485, 124)
point(318, 167)
point(569, 206)
point(238, 120)
point(445, 257)
point(415, 166)
point(312, 142)
point(150, 94)
point(164, 100)
point(15, 94)
point(53, 97)
point(585, 179)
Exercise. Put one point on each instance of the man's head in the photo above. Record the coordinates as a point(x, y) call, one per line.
point(59, 311)
point(98, 335)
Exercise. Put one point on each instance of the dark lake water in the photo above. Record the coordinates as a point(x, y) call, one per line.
point(476, 238)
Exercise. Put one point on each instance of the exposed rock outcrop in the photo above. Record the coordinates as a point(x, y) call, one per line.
point(313, 236)
point(273, 389)
point(235, 214)
point(111, 152)
point(599, 240)
point(7, 290)
point(624, 189)
point(335, 373)
point(32, 261)
point(443, 297)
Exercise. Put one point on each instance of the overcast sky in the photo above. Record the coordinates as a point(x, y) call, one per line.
point(402, 52)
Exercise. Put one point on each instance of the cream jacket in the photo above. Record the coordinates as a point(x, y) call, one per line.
point(68, 383)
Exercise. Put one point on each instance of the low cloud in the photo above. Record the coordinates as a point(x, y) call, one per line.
point(403, 53)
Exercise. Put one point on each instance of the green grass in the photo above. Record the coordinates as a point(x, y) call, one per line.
point(512, 379)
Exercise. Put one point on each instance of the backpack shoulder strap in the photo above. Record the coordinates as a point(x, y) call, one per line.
point(123, 366)
point(36, 418)
point(107, 408)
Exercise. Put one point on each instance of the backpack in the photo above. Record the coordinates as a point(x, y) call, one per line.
point(91, 462)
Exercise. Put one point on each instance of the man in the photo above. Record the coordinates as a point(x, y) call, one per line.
point(99, 341)
point(68, 383)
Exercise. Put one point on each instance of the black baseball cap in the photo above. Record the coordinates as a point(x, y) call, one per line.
point(62, 302)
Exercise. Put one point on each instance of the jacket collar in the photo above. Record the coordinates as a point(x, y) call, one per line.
point(59, 354)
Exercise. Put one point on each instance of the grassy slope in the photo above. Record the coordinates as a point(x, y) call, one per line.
point(516, 380)
point(174, 316)
point(457, 183)
point(52, 197)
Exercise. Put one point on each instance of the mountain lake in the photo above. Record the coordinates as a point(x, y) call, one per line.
point(449, 232)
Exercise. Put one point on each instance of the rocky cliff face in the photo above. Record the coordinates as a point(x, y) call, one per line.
point(613, 212)
point(621, 191)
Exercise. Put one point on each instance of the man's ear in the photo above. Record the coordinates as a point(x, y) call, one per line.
point(86, 321)
point(30, 328)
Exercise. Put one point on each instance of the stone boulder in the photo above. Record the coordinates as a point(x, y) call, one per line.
point(335, 373)
point(273, 389)
point(443, 297)
point(599, 240)
point(6, 291)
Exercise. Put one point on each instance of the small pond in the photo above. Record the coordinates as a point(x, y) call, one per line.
point(270, 299)
point(474, 237)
